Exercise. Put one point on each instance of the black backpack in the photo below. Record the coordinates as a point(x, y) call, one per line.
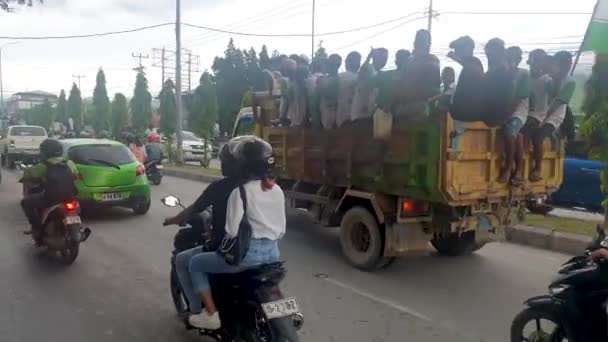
point(59, 185)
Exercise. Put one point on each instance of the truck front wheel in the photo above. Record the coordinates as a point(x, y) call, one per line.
point(362, 239)
point(455, 244)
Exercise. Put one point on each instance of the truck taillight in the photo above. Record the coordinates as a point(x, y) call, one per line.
point(413, 208)
point(140, 170)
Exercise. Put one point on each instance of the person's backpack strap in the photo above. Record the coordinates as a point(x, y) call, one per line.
point(243, 198)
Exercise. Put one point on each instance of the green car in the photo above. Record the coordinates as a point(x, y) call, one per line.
point(109, 174)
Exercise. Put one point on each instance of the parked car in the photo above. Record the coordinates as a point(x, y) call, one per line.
point(196, 149)
point(109, 174)
point(581, 185)
point(21, 143)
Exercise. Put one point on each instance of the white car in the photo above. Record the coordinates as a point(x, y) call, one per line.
point(195, 149)
point(21, 143)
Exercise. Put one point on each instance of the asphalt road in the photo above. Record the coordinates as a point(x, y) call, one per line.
point(118, 288)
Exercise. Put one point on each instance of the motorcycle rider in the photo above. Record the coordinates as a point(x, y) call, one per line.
point(216, 196)
point(266, 215)
point(56, 175)
point(154, 152)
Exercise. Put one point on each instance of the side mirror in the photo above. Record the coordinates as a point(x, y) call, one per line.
point(171, 201)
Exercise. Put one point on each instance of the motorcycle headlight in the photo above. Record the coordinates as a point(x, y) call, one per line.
point(557, 289)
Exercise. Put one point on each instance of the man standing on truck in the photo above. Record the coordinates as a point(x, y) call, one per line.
point(347, 81)
point(513, 141)
point(328, 89)
point(467, 100)
point(561, 89)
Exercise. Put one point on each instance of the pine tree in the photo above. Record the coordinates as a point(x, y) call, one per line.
point(101, 104)
point(204, 108)
point(74, 107)
point(168, 109)
point(141, 103)
point(120, 114)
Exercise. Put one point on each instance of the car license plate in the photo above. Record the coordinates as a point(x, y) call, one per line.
point(281, 308)
point(111, 196)
point(160, 167)
point(197, 153)
point(74, 219)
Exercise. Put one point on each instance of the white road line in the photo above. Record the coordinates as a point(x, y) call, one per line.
point(377, 299)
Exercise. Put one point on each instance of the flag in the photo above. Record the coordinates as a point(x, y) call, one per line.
point(596, 38)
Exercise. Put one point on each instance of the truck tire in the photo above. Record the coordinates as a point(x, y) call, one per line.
point(455, 244)
point(361, 239)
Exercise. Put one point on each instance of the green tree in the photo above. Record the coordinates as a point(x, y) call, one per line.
point(168, 109)
point(141, 103)
point(5, 5)
point(120, 114)
point(41, 115)
point(264, 58)
point(101, 104)
point(61, 111)
point(204, 107)
point(74, 107)
point(595, 127)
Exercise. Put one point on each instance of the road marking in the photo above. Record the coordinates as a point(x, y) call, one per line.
point(377, 299)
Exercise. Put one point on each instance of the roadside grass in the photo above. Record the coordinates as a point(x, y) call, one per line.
point(194, 169)
point(561, 224)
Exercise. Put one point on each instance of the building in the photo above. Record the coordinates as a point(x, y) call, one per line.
point(26, 100)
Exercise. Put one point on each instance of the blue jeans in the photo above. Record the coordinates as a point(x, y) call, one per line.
point(195, 278)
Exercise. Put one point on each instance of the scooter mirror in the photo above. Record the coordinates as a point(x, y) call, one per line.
point(170, 201)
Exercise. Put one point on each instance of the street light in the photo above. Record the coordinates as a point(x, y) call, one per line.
point(1, 88)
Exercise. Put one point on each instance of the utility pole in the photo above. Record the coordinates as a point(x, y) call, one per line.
point(312, 47)
point(139, 57)
point(82, 101)
point(178, 80)
point(162, 66)
point(189, 71)
point(430, 24)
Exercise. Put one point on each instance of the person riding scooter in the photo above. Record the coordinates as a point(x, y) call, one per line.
point(261, 204)
point(56, 175)
point(216, 196)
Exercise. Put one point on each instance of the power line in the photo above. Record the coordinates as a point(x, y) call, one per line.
point(87, 35)
point(380, 33)
point(516, 13)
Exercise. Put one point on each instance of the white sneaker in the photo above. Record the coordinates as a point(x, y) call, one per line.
point(205, 321)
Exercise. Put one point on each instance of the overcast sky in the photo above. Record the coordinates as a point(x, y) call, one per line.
point(49, 64)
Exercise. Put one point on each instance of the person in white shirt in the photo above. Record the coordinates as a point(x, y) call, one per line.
point(265, 212)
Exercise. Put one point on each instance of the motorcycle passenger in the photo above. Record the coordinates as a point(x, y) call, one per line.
point(56, 175)
point(154, 152)
point(601, 254)
point(216, 196)
point(266, 215)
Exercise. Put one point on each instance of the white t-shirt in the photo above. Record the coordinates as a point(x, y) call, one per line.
point(539, 97)
point(346, 91)
point(265, 211)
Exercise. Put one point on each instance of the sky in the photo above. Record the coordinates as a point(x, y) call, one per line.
point(49, 65)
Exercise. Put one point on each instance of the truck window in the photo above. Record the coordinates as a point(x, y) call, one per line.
point(244, 126)
point(28, 131)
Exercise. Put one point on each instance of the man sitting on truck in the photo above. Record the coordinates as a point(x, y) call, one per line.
point(513, 141)
point(467, 100)
point(561, 89)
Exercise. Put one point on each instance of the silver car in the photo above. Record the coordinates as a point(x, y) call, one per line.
point(196, 149)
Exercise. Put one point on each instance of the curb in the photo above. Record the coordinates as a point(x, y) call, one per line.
point(521, 234)
point(547, 239)
point(191, 176)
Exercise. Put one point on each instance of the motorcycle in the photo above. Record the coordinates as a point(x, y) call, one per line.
point(154, 172)
point(251, 305)
point(62, 230)
point(574, 306)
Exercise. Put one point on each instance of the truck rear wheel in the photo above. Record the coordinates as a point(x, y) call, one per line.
point(455, 244)
point(362, 239)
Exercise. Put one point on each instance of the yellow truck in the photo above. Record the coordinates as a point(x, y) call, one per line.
point(431, 181)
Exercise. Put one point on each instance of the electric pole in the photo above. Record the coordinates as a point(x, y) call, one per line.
point(178, 81)
point(162, 58)
point(78, 77)
point(139, 57)
point(430, 24)
point(312, 48)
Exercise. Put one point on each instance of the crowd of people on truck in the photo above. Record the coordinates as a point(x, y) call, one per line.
point(526, 103)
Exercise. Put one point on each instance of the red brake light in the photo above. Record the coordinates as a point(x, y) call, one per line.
point(411, 208)
point(407, 206)
point(70, 206)
point(140, 170)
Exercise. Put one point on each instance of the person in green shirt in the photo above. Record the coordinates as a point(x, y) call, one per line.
point(56, 176)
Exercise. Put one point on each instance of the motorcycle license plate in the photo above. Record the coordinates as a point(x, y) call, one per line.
point(111, 196)
point(69, 220)
point(281, 308)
